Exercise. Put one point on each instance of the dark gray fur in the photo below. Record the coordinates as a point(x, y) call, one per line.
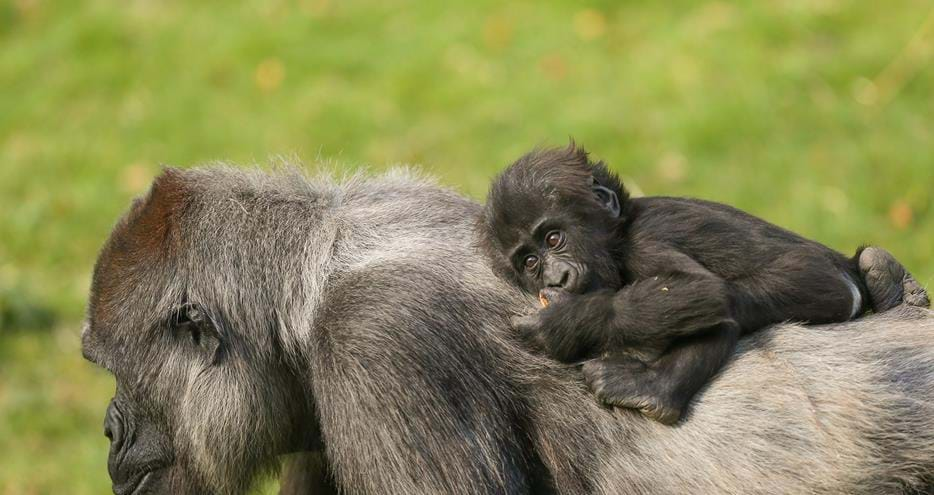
point(358, 317)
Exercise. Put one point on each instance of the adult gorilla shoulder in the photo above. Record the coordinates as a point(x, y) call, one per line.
point(248, 315)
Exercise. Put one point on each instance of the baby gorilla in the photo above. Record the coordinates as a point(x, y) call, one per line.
point(654, 292)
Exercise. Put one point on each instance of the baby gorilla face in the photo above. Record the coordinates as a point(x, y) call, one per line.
point(559, 251)
point(552, 221)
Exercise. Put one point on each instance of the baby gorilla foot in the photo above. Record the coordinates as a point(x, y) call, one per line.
point(888, 281)
point(629, 383)
point(915, 295)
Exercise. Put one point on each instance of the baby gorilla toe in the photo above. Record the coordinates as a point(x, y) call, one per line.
point(915, 295)
point(628, 383)
point(888, 282)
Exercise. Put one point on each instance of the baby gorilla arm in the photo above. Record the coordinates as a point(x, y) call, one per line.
point(659, 339)
point(643, 317)
point(662, 388)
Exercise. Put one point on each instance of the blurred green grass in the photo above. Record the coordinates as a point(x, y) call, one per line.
point(817, 115)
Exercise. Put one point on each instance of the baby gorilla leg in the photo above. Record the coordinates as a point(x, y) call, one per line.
point(798, 286)
point(888, 282)
point(661, 389)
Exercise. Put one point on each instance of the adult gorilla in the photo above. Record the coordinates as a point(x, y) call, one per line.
point(248, 315)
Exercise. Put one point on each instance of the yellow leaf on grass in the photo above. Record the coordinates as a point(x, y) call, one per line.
point(497, 32)
point(553, 66)
point(901, 214)
point(269, 74)
point(589, 24)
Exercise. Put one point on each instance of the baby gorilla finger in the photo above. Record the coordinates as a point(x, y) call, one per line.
point(551, 295)
point(529, 329)
point(626, 382)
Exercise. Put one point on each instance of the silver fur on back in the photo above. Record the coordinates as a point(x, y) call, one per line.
point(845, 408)
point(373, 291)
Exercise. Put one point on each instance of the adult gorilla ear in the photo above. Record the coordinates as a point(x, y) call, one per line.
point(607, 198)
point(195, 328)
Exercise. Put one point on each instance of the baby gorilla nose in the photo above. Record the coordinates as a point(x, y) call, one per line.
point(561, 275)
point(557, 275)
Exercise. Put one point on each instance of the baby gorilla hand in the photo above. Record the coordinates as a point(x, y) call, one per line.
point(548, 330)
point(626, 382)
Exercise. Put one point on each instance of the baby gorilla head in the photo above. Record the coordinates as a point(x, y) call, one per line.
point(552, 220)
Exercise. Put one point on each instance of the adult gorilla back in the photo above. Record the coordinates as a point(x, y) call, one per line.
point(248, 315)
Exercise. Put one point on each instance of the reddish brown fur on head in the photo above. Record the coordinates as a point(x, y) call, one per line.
point(149, 228)
point(146, 235)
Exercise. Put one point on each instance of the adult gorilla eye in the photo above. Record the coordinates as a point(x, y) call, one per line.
point(190, 319)
point(553, 239)
point(188, 315)
point(531, 261)
point(192, 322)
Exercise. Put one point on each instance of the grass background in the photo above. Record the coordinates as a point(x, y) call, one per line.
point(815, 114)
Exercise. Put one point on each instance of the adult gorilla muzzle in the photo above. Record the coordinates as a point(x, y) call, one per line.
point(127, 476)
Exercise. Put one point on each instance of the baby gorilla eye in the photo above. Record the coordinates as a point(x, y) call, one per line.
point(553, 238)
point(530, 262)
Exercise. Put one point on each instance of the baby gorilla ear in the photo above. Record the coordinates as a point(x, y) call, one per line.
point(607, 199)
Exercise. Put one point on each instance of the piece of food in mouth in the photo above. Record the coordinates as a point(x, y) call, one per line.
point(542, 299)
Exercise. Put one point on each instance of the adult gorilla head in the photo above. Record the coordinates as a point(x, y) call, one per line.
point(186, 311)
point(247, 315)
